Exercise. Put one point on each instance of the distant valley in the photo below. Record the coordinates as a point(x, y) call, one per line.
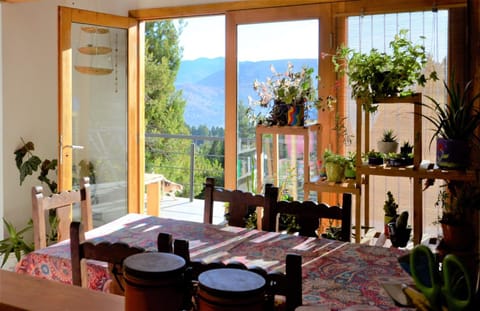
point(203, 84)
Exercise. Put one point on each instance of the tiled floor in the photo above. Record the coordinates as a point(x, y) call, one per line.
point(183, 209)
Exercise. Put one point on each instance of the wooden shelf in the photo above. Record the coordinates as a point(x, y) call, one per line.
point(410, 171)
point(417, 171)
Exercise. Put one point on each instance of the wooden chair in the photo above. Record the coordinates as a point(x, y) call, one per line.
point(308, 213)
point(112, 253)
point(240, 203)
point(62, 204)
point(288, 284)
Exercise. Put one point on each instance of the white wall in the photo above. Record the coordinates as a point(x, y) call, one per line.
point(29, 97)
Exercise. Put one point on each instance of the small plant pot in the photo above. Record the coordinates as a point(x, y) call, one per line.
point(375, 161)
point(452, 154)
point(350, 173)
point(399, 237)
point(387, 147)
point(335, 172)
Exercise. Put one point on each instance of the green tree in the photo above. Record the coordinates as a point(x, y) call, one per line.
point(164, 111)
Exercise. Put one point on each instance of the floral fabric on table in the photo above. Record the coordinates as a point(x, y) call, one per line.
point(334, 273)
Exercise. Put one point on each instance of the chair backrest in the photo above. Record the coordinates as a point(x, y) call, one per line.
point(62, 204)
point(240, 203)
point(288, 284)
point(308, 214)
point(112, 253)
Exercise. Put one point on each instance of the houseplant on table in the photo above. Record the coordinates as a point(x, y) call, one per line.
point(379, 74)
point(454, 125)
point(287, 98)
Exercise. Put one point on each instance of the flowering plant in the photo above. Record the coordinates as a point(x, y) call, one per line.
point(284, 90)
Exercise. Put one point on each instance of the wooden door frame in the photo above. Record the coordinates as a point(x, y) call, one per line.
point(135, 123)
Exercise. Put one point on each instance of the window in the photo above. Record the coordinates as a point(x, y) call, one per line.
point(376, 31)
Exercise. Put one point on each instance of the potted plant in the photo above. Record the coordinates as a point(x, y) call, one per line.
point(287, 97)
point(388, 143)
point(15, 243)
point(406, 149)
point(334, 166)
point(350, 165)
point(374, 157)
point(390, 208)
point(398, 159)
point(458, 200)
point(454, 125)
point(398, 231)
point(378, 74)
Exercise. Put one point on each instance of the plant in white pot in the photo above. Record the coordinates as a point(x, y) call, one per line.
point(454, 124)
point(388, 143)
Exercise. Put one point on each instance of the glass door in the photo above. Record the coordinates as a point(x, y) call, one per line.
point(99, 127)
point(99, 117)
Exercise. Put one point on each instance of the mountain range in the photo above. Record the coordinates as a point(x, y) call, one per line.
point(202, 82)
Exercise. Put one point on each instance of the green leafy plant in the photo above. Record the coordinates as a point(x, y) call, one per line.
point(390, 206)
point(15, 243)
point(372, 154)
point(455, 198)
point(459, 118)
point(330, 157)
point(389, 136)
point(28, 163)
point(379, 74)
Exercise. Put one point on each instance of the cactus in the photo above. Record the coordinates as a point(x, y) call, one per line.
point(402, 220)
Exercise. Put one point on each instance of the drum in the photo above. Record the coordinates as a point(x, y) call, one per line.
point(154, 281)
point(230, 290)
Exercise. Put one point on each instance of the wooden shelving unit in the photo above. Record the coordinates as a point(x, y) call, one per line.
point(415, 171)
point(275, 131)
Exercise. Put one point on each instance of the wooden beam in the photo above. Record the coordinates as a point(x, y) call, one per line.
point(217, 8)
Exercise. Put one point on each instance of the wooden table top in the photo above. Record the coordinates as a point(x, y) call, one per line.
point(23, 292)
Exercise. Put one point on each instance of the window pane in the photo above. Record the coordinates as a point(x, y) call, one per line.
point(376, 31)
point(261, 46)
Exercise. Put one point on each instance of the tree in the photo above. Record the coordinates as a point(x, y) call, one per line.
point(164, 110)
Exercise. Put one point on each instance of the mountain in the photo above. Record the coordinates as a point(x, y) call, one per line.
point(202, 82)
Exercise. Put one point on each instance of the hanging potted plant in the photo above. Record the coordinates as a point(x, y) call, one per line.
point(454, 125)
point(379, 74)
point(287, 98)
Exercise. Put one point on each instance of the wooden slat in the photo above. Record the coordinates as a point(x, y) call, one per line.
point(23, 292)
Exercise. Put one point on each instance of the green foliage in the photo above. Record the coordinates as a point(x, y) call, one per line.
point(457, 119)
point(456, 200)
point(330, 157)
point(378, 74)
point(164, 110)
point(27, 166)
point(372, 154)
point(389, 136)
point(390, 207)
point(15, 243)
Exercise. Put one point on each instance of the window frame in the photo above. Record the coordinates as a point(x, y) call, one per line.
point(334, 13)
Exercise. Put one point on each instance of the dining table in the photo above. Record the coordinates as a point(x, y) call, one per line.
point(340, 275)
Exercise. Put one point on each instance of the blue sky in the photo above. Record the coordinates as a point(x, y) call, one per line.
point(205, 36)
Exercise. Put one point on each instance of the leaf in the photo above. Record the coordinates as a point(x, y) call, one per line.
point(28, 167)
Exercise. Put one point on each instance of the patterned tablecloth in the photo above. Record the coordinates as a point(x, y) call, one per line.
point(334, 273)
